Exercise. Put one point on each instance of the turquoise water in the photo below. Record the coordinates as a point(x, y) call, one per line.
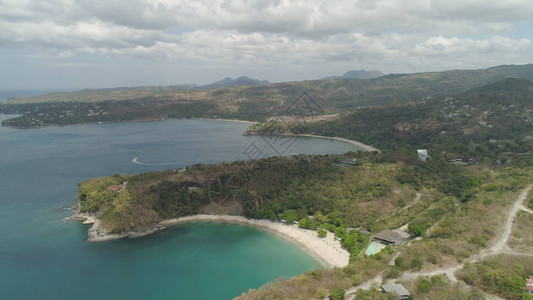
point(374, 248)
point(43, 258)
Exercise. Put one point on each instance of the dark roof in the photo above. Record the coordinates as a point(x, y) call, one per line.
point(390, 236)
point(399, 289)
point(387, 235)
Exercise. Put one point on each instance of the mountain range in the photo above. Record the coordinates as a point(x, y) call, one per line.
point(358, 74)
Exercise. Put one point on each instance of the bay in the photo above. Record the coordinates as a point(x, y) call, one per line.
point(42, 257)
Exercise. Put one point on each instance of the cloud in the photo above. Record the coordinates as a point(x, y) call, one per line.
point(484, 11)
point(391, 35)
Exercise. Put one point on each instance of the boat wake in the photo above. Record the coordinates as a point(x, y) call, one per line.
point(136, 161)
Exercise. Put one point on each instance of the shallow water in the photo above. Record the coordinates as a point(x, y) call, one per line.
point(43, 258)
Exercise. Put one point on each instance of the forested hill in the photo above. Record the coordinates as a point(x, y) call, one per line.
point(477, 126)
point(479, 143)
point(488, 116)
point(248, 102)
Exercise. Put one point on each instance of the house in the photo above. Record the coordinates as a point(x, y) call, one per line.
point(114, 188)
point(422, 154)
point(350, 162)
point(397, 289)
point(389, 237)
point(529, 285)
point(118, 188)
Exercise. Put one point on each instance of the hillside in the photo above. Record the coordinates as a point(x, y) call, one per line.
point(487, 116)
point(359, 74)
point(256, 102)
point(230, 82)
point(456, 202)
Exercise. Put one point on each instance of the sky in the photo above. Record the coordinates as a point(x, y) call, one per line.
point(75, 44)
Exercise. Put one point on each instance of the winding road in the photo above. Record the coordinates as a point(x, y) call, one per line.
point(497, 247)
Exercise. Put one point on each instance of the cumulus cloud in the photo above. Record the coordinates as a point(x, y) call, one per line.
point(391, 35)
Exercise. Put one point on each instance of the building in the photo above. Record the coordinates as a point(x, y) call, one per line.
point(389, 237)
point(529, 285)
point(114, 188)
point(397, 289)
point(118, 188)
point(349, 162)
point(422, 154)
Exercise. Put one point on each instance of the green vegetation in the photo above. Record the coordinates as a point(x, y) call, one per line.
point(247, 103)
point(417, 228)
point(460, 229)
point(93, 194)
point(521, 239)
point(318, 283)
point(293, 188)
point(439, 287)
point(65, 113)
point(478, 123)
point(337, 294)
point(501, 275)
point(480, 158)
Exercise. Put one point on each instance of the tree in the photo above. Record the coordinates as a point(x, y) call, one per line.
point(322, 232)
point(290, 215)
point(417, 228)
point(337, 293)
point(400, 263)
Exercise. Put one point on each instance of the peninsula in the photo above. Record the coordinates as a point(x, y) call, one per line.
point(454, 200)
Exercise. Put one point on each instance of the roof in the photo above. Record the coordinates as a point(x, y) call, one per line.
point(114, 188)
point(387, 235)
point(390, 236)
point(399, 289)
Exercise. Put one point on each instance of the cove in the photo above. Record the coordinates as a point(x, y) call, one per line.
point(42, 257)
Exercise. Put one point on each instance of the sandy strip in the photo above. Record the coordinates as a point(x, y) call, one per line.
point(327, 251)
point(355, 143)
point(225, 120)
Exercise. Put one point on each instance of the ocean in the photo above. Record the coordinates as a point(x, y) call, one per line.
point(43, 257)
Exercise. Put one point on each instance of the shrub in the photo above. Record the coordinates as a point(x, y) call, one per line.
point(477, 240)
point(322, 232)
point(417, 228)
point(423, 286)
point(337, 294)
point(393, 272)
point(417, 263)
point(400, 263)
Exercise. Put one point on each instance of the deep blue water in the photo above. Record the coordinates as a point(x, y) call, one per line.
point(42, 257)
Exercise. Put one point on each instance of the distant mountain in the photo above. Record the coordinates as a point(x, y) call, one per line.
point(358, 74)
point(333, 95)
point(230, 82)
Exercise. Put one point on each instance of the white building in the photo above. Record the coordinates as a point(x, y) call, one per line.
point(422, 154)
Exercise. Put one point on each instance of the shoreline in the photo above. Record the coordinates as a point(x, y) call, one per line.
point(121, 121)
point(355, 143)
point(327, 251)
point(225, 120)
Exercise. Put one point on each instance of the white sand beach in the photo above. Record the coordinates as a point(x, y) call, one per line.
point(355, 143)
point(327, 251)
